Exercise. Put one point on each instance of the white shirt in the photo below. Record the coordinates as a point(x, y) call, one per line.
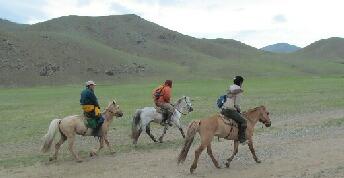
point(232, 99)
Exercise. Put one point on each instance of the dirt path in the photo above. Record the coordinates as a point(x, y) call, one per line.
point(287, 151)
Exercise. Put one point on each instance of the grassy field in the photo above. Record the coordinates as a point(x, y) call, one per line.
point(27, 112)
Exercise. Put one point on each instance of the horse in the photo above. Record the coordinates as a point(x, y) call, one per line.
point(143, 117)
point(217, 126)
point(72, 125)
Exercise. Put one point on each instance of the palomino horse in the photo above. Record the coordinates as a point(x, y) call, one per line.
point(143, 117)
point(72, 125)
point(217, 126)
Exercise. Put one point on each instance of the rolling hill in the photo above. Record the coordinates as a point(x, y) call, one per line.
point(331, 48)
point(118, 48)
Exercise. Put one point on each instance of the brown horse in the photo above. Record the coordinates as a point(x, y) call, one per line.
point(218, 126)
point(72, 125)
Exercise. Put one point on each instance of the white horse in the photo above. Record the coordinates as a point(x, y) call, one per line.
point(143, 117)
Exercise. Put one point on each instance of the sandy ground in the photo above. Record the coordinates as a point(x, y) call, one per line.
point(298, 147)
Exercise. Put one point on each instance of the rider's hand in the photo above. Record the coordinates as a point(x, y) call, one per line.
point(237, 109)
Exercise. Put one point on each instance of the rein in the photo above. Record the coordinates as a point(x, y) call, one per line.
point(111, 112)
point(180, 111)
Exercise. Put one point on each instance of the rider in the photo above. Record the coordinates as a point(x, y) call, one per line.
point(90, 106)
point(231, 108)
point(162, 97)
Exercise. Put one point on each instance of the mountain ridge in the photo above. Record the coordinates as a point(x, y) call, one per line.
point(72, 49)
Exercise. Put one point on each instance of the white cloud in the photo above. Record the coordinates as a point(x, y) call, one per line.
point(249, 21)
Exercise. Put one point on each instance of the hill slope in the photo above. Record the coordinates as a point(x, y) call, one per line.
point(331, 48)
point(73, 49)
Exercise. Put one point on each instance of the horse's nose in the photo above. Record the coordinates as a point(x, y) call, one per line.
point(191, 109)
point(268, 124)
point(120, 114)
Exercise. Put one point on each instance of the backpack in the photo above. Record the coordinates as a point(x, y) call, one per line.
point(157, 92)
point(221, 100)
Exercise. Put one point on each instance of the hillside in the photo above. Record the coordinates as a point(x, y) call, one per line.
point(331, 48)
point(6, 25)
point(281, 48)
point(118, 48)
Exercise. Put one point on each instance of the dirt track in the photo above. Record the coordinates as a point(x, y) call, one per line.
point(298, 147)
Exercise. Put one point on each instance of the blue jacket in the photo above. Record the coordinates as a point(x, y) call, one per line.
point(88, 97)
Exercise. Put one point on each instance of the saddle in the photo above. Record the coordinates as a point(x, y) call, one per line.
point(93, 122)
point(159, 110)
point(228, 121)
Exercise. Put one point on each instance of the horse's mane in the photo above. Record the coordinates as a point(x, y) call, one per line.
point(179, 100)
point(104, 111)
point(254, 109)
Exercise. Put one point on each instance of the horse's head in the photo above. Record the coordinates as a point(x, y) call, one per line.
point(114, 109)
point(264, 116)
point(184, 105)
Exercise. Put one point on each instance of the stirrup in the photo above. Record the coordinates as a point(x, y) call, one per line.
point(242, 141)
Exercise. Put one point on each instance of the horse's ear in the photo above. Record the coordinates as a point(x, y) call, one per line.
point(114, 102)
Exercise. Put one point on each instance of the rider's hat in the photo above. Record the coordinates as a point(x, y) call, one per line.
point(90, 82)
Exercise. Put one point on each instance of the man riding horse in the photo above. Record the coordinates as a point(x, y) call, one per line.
point(231, 109)
point(162, 98)
point(90, 106)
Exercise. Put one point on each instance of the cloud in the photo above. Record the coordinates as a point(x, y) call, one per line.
point(257, 23)
point(279, 18)
point(21, 11)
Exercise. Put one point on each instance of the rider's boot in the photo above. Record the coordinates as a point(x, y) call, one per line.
point(169, 118)
point(164, 118)
point(242, 134)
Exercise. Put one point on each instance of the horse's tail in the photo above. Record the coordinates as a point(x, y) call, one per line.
point(135, 125)
point(190, 135)
point(49, 137)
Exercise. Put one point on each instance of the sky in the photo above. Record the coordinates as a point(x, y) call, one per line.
point(255, 22)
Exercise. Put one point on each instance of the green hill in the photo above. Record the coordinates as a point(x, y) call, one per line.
point(331, 48)
point(73, 49)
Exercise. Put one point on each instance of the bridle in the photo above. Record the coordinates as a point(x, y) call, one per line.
point(264, 122)
point(180, 111)
point(111, 112)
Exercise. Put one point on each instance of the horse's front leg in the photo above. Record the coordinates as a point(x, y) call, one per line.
point(101, 145)
point(235, 151)
point(108, 145)
point(182, 132)
point(177, 123)
point(163, 134)
point(250, 145)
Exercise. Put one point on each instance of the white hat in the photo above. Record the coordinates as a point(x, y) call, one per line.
point(90, 82)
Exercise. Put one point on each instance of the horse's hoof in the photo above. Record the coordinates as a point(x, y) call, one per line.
point(93, 154)
point(160, 140)
point(258, 161)
point(192, 170)
point(227, 165)
point(51, 159)
point(79, 161)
